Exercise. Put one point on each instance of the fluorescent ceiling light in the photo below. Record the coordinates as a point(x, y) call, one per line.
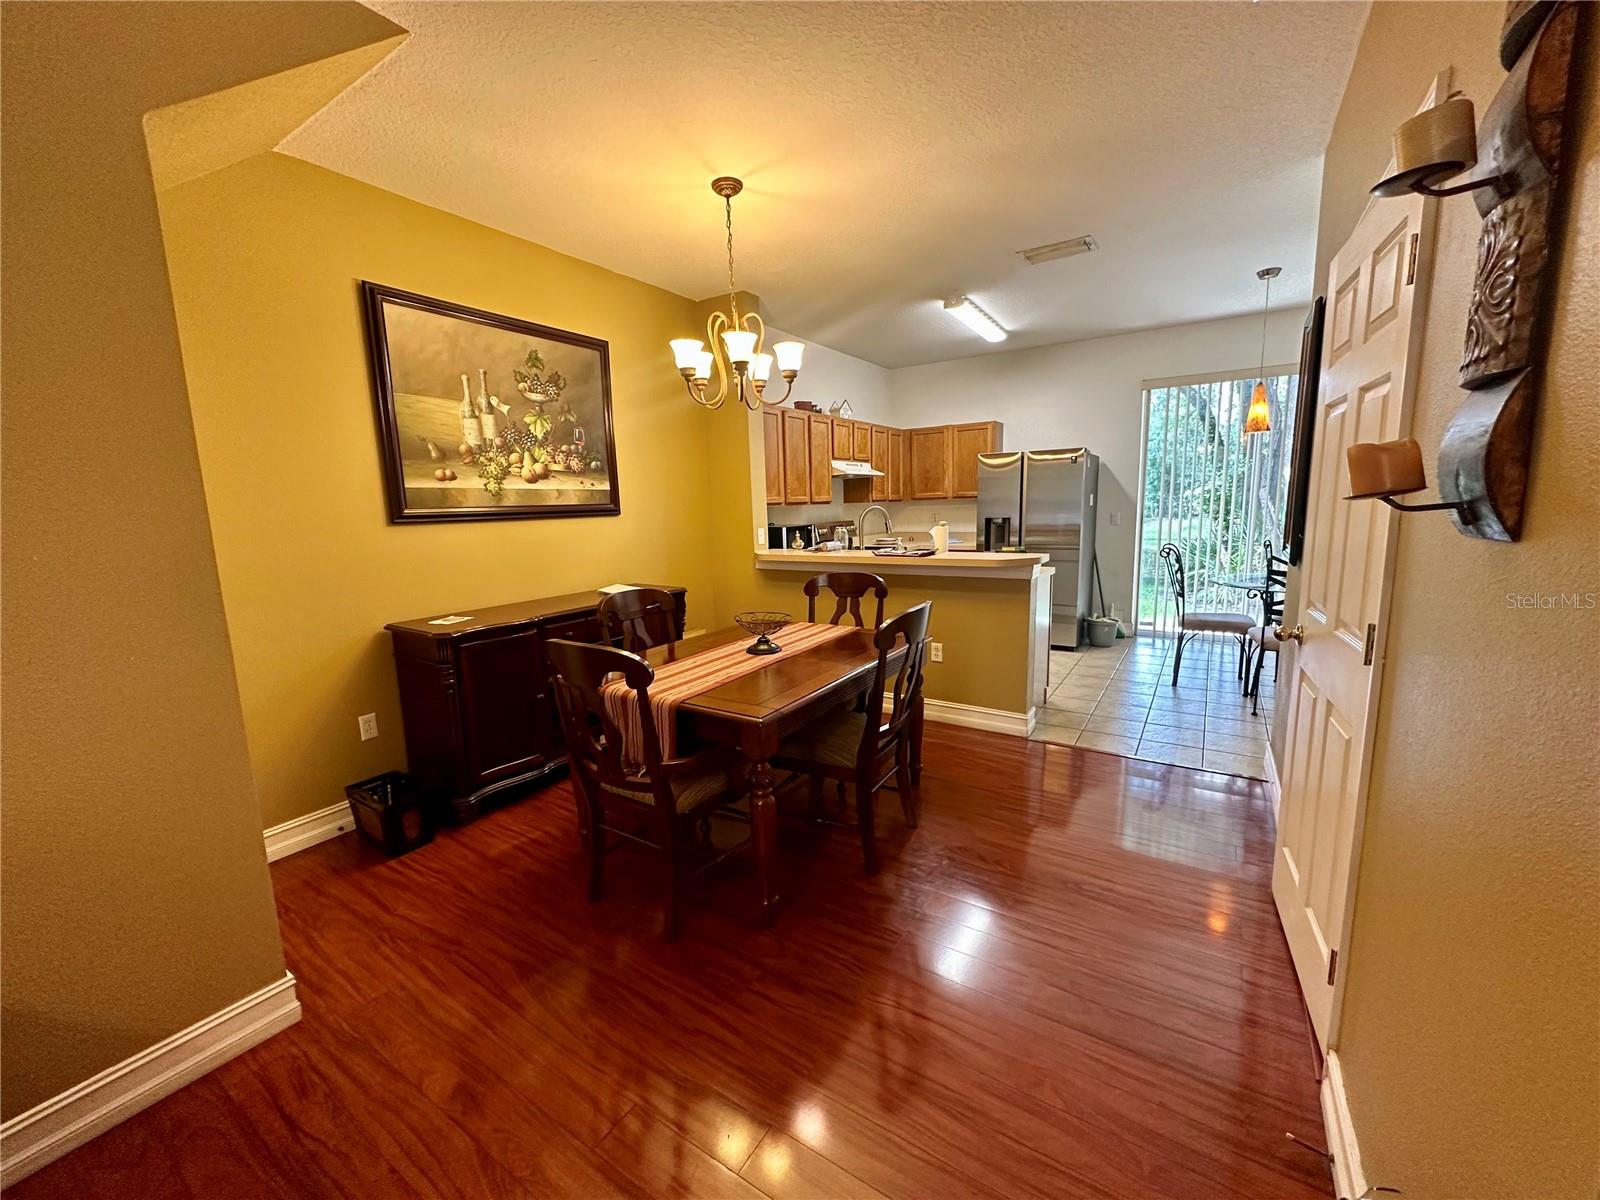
point(1054, 250)
point(975, 319)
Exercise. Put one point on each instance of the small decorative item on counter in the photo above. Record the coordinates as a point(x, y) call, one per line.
point(763, 625)
point(388, 811)
point(807, 406)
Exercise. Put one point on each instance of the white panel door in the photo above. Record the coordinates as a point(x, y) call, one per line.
point(1377, 303)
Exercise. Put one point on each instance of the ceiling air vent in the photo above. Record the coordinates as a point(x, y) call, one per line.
point(1054, 250)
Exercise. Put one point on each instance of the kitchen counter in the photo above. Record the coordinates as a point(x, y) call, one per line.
point(952, 563)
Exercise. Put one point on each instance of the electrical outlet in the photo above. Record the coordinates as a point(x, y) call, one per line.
point(368, 725)
point(761, 536)
point(936, 651)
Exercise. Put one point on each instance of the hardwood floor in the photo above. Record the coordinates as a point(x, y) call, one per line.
point(1069, 982)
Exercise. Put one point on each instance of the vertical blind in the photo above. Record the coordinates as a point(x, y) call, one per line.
point(1215, 493)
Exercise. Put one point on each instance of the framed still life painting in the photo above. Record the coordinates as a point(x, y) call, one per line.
point(483, 417)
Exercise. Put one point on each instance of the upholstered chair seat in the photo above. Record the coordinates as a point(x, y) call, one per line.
point(1217, 622)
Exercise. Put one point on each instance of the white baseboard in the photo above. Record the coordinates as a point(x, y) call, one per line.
point(1274, 785)
point(994, 720)
point(43, 1134)
point(308, 830)
point(1349, 1180)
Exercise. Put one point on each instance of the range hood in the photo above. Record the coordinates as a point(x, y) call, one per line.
point(844, 468)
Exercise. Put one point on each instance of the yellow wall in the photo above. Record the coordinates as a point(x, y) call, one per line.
point(1471, 1025)
point(265, 257)
point(136, 898)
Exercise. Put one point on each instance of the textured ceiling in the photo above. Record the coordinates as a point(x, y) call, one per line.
point(893, 153)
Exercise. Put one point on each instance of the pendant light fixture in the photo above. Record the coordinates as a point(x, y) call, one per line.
point(1259, 418)
point(735, 340)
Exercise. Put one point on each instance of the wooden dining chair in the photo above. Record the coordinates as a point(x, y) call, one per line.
point(1263, 638)
point(848, 588)
point(655, 804)
point(640, 617)
point(1192, 624)
point(866, 749)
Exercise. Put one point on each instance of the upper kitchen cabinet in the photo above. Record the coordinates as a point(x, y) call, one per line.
point(772, 451)
point(966, 443)
point(843, 443)
point(821, 432)
point(880, 462)
point(796, 456)
point(897, 464)
point(928, 463)
point(861, 441)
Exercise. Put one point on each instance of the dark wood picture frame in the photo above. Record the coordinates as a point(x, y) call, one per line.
point(374, 298)
point(1305, 425)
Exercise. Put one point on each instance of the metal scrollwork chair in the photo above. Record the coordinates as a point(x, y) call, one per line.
point(1262, 638)
point(655, 804)
point(1192, 624)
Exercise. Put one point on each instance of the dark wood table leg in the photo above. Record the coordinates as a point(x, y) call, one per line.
point(764, 833)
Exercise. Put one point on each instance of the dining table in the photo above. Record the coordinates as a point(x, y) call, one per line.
point(752, 714)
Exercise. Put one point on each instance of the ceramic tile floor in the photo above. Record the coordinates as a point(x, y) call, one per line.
point(1120, 699)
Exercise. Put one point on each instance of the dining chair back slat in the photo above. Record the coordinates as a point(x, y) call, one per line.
point(641, 618)
point(848, 587)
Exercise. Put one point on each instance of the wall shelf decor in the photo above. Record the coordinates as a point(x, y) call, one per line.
point(1516, 156)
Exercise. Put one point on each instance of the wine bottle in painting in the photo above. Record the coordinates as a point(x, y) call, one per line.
point(488, 418)
point(471, 427)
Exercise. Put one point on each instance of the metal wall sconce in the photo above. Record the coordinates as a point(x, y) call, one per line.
point(1384, 470)
point(1483, 456)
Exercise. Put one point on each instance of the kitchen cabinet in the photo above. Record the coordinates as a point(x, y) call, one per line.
point(474, 696)
point(928, 463)
point(966, 443)
point(820, 427)
point(880, 462)
point(861, 441)
point(772, 451)
point(843, 440)
point(897, 465)
point(796, 456)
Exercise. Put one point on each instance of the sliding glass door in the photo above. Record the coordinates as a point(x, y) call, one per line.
point(1210, 489)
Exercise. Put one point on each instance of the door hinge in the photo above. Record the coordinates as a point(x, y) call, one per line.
point(1333, 965)
point(1372, 641)
point(1411, 262)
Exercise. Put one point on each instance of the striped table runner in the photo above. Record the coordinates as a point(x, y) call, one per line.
point(678, 681)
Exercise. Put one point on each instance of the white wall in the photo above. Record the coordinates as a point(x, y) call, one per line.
point(1087, 393)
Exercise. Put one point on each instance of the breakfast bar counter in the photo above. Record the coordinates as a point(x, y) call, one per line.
point(990, 621)
point(948, 563)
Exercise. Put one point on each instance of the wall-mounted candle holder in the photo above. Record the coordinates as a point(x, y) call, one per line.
point(1483, 456)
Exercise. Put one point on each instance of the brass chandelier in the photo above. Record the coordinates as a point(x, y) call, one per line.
point(735, 341)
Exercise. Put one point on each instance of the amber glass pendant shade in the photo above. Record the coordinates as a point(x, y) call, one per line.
point(1259, 417)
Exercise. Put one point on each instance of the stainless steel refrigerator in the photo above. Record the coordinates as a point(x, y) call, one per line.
point(1044, 501)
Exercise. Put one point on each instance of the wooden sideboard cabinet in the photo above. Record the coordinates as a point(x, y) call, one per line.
point(475, 695)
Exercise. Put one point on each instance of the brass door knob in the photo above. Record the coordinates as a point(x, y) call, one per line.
point(1289, 635)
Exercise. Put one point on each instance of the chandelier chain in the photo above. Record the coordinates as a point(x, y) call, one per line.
point(727, 205)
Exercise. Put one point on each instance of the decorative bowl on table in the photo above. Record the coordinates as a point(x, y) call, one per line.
point(763, 625)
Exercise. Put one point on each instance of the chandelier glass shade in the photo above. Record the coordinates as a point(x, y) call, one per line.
point(743, 367)
point(1258, 418)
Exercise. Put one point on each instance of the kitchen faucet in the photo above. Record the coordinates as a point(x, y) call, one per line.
point(888, 522)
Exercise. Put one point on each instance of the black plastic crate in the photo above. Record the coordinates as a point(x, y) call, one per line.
point(388, 810)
